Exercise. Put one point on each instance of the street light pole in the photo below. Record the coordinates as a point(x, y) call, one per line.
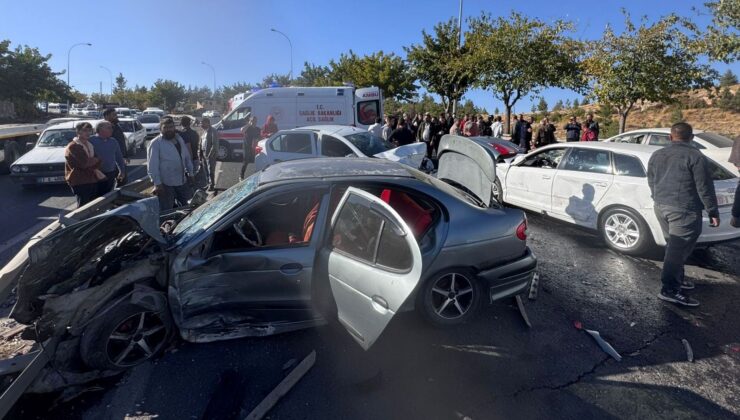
point(69, 52)
point(291, 51)
point(214, 77)
point(110, 74)
point(459, 43)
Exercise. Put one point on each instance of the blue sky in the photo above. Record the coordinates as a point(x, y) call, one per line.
point(147, 40)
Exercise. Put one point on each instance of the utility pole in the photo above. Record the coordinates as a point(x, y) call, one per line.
point(459, 44)
point(69, 52)
point(291, 51)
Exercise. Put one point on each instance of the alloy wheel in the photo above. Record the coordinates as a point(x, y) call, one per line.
point(452, 296)
point(622, 230)
point(136, 339)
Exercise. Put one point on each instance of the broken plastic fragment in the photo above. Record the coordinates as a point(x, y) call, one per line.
point(632, 324)
point(578, 325)
point(608, 349)
point(689, 351)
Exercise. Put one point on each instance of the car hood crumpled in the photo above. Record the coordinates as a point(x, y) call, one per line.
point(468, 164)
point(411, 154)
point(65, 260)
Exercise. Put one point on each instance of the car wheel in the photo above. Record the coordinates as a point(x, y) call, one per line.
point(224, 152)
point(624, 231)
point(497, 192)
point(449, 298)
point(125, 336)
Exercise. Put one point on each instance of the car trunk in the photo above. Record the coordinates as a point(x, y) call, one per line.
point(467, 165)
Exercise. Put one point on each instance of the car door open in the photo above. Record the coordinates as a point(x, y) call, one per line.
point(374, 264)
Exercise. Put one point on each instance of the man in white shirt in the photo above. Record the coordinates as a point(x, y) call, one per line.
point(377, 128)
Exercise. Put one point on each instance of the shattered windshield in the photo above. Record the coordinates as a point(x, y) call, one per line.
point(205, 215)
point(368, 143)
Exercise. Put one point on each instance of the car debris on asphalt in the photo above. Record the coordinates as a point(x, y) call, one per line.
point(605, 346)
point(689, 350)
point(283, 387)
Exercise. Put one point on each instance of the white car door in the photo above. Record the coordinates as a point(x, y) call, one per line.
point(291, 145)
point(374, 264)
point(582, 180)
point(330, 146)
point(529, 183)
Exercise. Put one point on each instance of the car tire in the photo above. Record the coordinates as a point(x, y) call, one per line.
point(443, 305)
point(223, 153)
point(497, 192)
point(623, 230)
point(125, 336)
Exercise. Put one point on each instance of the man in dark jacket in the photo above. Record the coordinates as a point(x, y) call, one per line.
point(681, 186)
point(545, 134)
point(402, 135)
point(572, 130)
point(593, 125)
point(111, 116)
point(523, 133)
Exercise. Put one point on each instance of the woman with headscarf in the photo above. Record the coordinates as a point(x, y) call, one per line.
point(81, 167)
point(269, 128)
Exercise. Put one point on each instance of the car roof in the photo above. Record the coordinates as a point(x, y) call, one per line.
point(70, 125)
point(342, 130)
point(641, 151)
point(333, 168)
point(663, 130)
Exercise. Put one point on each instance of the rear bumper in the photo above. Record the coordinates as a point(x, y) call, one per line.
point(510, 279)
point(722, 233)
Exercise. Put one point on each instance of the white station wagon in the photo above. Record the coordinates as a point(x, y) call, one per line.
point(603, 186)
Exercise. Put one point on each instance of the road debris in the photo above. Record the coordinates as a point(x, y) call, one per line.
point(689, 350)
point(608, 349)
point(534, 287)
point(522, 311)
point(283, 387)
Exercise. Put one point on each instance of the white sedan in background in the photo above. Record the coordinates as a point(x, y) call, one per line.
point(333, 141)
point(151, 124)
point(603, 186)
point(135, 133)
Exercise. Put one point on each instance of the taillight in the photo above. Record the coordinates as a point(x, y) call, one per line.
point(257, 149)
point(521, 230)
point(503, 150)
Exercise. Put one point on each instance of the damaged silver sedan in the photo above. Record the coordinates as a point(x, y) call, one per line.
point(287, 248)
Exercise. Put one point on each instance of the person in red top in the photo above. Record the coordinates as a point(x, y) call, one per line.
point(269, 128)
point(81, 167)
point(586, 133)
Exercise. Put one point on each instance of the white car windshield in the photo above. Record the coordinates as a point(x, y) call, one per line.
point(56, 138)
point(127, 126)
point(210, 212)
point(369, 144)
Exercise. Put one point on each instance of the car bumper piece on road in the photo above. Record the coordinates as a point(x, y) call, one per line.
point(511, 278)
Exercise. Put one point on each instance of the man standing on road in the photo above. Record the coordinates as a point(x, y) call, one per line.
point(111, 116)
point(497, 128)
point(572, 130)
point(170, 167)
point(401, 135)
point(524, 133)
point(681, 186)
point(593, 125)
point(208, 150)
point(390, 124)
point(191, 139)
point(111, 160)
point(251, 135)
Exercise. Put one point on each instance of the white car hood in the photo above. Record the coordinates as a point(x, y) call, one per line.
point(410, 154)
point(42, 155)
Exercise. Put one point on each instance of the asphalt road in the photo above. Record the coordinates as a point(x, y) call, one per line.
point(493, 367)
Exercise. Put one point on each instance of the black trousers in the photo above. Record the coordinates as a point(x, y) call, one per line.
point(105, 186)
point(85, 193)
point(681, 228)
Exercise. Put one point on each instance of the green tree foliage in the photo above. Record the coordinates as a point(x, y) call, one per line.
point(576, 104)
point(506, 51)
point(720, 40)
point(119, 90)
point(25, 78)
point(166, 94)
point(542, 106)
point(275, 79)
point(728, 79)
point(496, 111)
point(676, 114)
point(651, 62)
point(387, 71)
point(585, 101)
point(558, 105)
point(313, 75)
point(440, 64)
point(728, 101)
point(607, 126)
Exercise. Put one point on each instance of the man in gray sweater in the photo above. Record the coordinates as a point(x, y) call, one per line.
point(170, 167)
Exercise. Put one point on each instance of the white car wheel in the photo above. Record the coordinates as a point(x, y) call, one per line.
point(624, 231)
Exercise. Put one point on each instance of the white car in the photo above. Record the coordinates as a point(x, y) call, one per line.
point(44, 164)
point(215, 115)
point(331, 141)
point(151, 124)
point(135, 133)
point(659, 137)
point(125, 112)
point(603, 186)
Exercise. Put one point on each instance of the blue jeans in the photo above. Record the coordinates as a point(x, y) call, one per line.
point(681, 228)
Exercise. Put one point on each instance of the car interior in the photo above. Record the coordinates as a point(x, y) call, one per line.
point(289, 220)
point(548, 159)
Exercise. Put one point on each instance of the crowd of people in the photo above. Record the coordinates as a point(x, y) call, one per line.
point(525, 132)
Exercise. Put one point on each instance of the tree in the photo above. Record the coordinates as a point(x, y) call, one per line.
point(25, 77)
point(720, 40)
point(542, 106)
point(166, 93)
point(651, 62)
point(585, 101)
point(440, 64)
point(313, 75)
point(567, 104)
point(503, 51)
point(676, 115)
point(496, 111)
point(727, 79)
point(387, 71)
point(558, 105)
point(576, 104)
point(275, 79)
point(119, 90)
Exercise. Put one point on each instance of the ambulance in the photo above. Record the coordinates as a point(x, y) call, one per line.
point(294, 107)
